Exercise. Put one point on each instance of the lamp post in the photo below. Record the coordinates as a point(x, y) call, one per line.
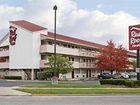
point(138, 64)
point(55, 79)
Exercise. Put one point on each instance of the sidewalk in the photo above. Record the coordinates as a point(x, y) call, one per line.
point(9, 91)
point(76, 88)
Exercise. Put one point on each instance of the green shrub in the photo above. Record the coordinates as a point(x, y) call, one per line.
point(128, 83)
point(112, 82)
point(41, 75)
point(13, 77)
point(138, 83)
point(44, 75)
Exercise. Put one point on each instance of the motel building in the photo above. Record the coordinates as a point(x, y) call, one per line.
point(24, 51)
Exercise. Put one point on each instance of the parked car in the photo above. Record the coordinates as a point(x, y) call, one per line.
point(127, 74)
point(132, 74)
point(104, 76)
point(120, 75)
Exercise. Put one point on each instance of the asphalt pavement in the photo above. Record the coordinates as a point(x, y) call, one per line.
point(71, 100)
point(12, 83)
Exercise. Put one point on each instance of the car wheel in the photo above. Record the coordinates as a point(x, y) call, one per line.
point(121, 77)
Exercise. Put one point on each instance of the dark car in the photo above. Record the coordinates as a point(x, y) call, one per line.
point(104, 76)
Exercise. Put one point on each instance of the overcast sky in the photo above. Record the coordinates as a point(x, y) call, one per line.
point(92, 20)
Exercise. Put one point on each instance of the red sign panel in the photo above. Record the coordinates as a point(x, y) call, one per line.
point(134, 37)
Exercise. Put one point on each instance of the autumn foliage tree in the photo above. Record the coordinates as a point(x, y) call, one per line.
point(112, 58)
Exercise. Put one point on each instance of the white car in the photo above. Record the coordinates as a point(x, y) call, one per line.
point(132, 74)
point(120, 75)
point(125, 75)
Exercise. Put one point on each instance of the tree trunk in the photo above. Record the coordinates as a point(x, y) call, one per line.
point(111, 72)
point(101, 72)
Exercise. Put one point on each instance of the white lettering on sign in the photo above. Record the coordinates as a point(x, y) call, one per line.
point(134, 38)
point(134, 34)
point(135, 41)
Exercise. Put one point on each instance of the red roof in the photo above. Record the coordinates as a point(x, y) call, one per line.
point(75, 40)
point(27, 25)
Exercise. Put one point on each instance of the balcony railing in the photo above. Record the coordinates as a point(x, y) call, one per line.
point(43, 48)
point(87, 53)
point(75, 64)
point(59, 49)
point(87, 65)
point(4, 53)
point(43, 63)
point(4, 65)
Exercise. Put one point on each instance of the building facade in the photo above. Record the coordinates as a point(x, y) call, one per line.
point(25, 49)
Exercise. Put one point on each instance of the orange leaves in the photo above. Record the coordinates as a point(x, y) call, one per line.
point(112, 58)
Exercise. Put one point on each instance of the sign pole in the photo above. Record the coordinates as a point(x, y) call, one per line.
point(138, 64)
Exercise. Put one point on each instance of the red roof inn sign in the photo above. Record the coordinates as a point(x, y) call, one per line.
point(134, 37)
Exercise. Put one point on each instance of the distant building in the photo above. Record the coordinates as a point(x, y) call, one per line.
point(24, 51)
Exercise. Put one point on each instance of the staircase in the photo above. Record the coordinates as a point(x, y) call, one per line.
point(27, 73)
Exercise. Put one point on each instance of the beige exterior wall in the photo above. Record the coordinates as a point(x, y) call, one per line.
point(83, 57)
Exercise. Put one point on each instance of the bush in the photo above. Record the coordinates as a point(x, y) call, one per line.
point(41, 75)
point(138, 83)
point(112, 82)
point(128, 83)
point(13, 77)
point(44, 75)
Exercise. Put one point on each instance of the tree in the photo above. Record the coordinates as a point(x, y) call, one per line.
point(63, 65)
point(112, 58)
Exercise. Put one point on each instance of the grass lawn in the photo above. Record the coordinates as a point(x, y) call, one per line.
point(81, 91)
point(77, 89)
point(66, 86)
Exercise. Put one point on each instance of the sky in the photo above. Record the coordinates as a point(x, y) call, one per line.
point(92, 20)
